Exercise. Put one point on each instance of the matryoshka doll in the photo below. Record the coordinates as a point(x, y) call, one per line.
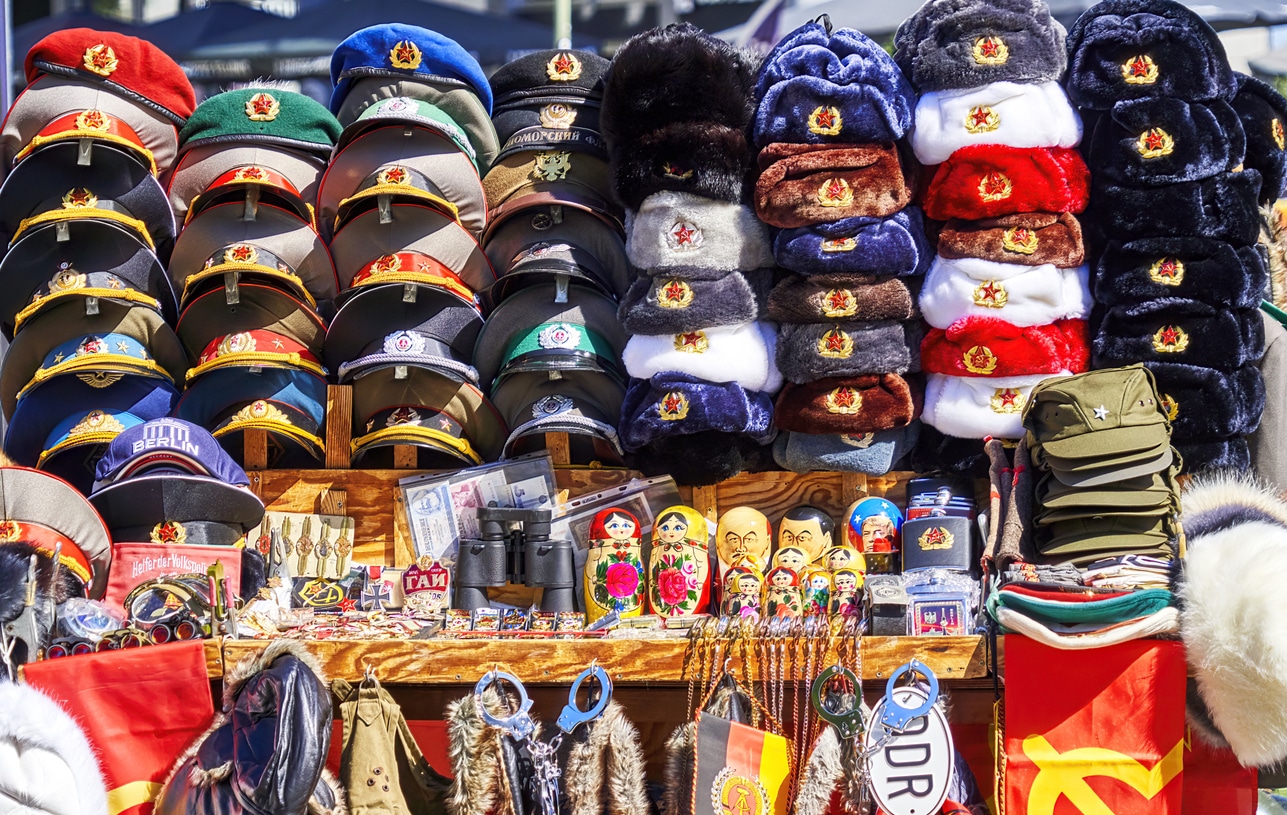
point(742, 587)
point(815, 588)
point(808, 529)
point(846, 598)
point(743, 538)
point(791, 557)
point(874, 527)
point(614, 572)
point(782, 593)
point(679, 566)
point(845, 557)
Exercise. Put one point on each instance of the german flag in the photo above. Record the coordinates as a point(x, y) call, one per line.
point(740, 770)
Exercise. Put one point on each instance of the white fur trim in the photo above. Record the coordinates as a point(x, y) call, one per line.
point(1022, 115)
point(1029, 295)
point(46, 763)
point(744, 353)
point(681, 229)
point(1166, 621)
point(1234, 607)
point(961, 406)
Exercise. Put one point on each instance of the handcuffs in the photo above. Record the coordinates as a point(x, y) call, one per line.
point(520, 727)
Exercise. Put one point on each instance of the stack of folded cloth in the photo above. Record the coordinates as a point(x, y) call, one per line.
point(1178, 279)
point(254, 278)
point(403, 204)
point(1075, 618)
point(836, 181)
point(677, 109)
point(1007, 294)
point(549, 355)
point(1101, 445)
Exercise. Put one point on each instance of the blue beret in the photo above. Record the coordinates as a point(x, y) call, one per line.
point(404, 51)
point(674, 404)
point(839, 87)
point(882, 246)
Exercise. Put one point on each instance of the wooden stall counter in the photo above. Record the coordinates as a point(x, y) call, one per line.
point(629, 661)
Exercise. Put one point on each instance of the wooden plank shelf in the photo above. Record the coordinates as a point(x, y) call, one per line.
point(629, 661)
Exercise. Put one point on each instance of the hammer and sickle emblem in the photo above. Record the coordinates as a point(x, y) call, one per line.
point(1065, 774)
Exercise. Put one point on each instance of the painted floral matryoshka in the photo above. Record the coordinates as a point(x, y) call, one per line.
point(815, 586)
point(782, 593)
point(846, 598)
point(614, 572)
point(742, 587)
point(679, 565)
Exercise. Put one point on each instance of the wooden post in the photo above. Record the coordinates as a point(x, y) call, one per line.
point(255, 448)
point(706, 501)
point(559, 448)
point(405, 456)
point(339, 427)
point(333, 502)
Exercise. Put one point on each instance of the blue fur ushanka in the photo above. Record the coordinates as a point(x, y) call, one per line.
point(894, 246)
point(1157, 141)
point(1176, 330)
point(1215, 454)
point(1263, 112)
point(1223, 207)
point(1210, 403)
point(673, 404)
point(1193, 268)
point(936, 46)
point(814, 69)
point(1129, 49)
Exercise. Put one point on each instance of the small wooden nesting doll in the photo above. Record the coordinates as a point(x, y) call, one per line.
point(614, 570)
point(679, 564)
point(742, 588)
point(846, 598)
point(807, 528)
point(791, 557)
point(845, 557)
point(782, 593)
point(815, 588)
point(743, 538)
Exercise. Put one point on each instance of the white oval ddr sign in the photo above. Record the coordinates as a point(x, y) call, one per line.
point(909, 773)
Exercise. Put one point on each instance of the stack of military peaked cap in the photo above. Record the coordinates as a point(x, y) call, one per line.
point(678, 107)
point(1185, 151)
point(1007, 294)
point(87, 303)
point(836, 180)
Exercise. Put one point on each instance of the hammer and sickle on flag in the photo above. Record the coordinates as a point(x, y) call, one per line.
point(1065, 774)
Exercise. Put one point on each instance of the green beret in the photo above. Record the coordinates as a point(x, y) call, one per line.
point(263, 115)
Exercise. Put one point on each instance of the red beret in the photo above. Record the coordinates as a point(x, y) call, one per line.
point(989, 180)
point(135, 69)
point(986, 346)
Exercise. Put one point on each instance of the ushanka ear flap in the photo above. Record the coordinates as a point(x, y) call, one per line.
point(1183, 331)
point(1231, 607)
point(970, 43)
point(838, 87)
point(987, 181)
point(1189, 267)
point(1157, 141)
point(895, 245)
point(819, 350)
point(806, 184)
point(1215, 454)
point(1222, 207)
point(1028, 239)
point(1129, 49)
point(1263, 112)
point(1204, 403)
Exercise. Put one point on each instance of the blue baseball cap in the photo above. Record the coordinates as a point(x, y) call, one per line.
point(167, 444)
point(405, 51)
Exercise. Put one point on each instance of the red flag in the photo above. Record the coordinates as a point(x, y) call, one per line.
point(1094, 732)
point(139, 707)
point(1214, 782)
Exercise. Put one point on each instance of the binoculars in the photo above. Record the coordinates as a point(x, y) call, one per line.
point(515, 547)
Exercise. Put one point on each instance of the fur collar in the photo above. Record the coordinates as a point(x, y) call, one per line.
point(33, 721)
